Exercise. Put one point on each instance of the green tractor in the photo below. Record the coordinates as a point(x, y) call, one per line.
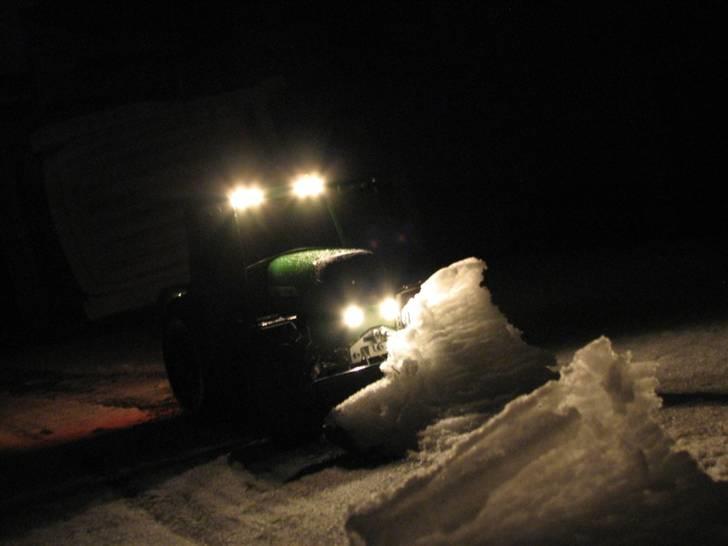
point(281, 319)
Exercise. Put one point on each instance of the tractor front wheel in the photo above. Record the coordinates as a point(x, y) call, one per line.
point(184, 365)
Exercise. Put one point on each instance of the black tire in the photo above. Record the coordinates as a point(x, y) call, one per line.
point(185, 369)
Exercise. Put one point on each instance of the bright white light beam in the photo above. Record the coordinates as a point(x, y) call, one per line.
point(353, 316)
point(243, 197)
point(389, 309)
point(308, 185)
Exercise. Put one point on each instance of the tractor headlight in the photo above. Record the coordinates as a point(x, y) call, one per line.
point(353, 316)
point(308, 185)
point(389, 309)
point(242, 198)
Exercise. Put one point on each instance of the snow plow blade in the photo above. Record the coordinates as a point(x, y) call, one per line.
point(334, 389)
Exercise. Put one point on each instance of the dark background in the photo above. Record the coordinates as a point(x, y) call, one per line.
point(514, 129)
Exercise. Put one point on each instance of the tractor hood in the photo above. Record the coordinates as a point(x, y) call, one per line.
point(309, 267)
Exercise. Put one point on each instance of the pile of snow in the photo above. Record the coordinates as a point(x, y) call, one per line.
point(458, 355)
point(578, 461)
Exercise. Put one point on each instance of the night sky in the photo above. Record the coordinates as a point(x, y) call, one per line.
point(512, 127)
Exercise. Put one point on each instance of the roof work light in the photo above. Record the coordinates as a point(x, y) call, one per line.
point(308, 185)
point(246, 197)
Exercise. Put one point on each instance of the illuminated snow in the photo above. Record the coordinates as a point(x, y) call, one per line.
point(578, 460)
point(458, 355)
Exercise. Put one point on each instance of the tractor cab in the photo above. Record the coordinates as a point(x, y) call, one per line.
point(279, 301)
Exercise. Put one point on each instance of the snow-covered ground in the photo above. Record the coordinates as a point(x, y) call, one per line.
point(49, 396)
point(589, 457)
point(691, 359)
point(299, 497)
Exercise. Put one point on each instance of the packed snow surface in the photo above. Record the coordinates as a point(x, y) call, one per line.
point(578, 460)
point(458, 355)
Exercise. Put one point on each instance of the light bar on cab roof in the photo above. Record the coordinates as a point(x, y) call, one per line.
point(308, 185)
point(246, 197)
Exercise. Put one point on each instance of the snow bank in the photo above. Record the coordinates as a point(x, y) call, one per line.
point(577, 461)
point(457, 356)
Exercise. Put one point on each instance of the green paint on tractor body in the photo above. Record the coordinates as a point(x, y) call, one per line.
point(302, 268)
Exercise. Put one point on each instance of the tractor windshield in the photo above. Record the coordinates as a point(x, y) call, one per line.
point(351, 218)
